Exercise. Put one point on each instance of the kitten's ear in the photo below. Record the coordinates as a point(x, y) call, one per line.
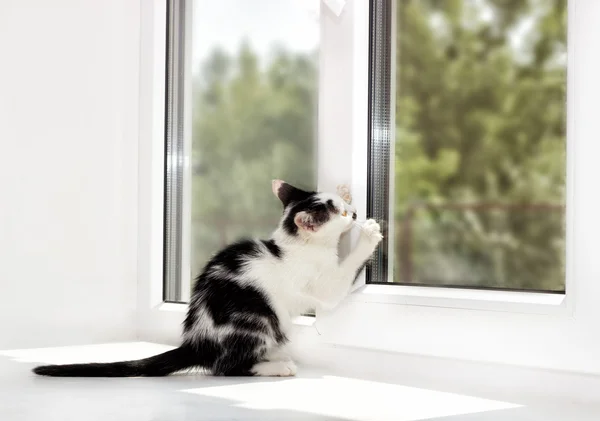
point(276, 185)
point(305, 222)
point(343, 191)
point(288, 193)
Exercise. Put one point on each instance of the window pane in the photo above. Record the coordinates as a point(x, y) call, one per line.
point(480, 143)
point(254, 110)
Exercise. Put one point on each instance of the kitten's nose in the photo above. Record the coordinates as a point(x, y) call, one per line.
point(354, 216)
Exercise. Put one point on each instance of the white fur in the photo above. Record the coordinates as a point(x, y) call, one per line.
point(310, 275)
point(275, 368)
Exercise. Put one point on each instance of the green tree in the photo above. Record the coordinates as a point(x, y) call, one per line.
point(480, 145)
point(480, 142)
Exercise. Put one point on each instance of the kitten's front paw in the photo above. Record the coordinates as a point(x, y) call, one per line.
point(371, 232)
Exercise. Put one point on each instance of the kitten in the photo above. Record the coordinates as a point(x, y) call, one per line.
point(243, 302)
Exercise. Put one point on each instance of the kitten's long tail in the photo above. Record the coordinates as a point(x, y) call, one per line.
point(158, 365)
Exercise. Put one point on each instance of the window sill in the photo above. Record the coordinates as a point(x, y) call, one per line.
point(506, 301)
point(306, 321)
point(173, 307)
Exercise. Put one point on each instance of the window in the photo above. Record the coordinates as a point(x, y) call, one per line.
point(241, 111)
point(357, 120)
point(476, 142)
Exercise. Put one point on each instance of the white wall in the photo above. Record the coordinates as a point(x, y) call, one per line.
point(68, 170)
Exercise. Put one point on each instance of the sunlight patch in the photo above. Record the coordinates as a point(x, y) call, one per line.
point(352, 399)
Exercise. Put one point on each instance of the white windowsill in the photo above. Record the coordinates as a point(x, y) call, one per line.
point(307, 321)
point(364, 371)
point(173, 307)
point(511, 301)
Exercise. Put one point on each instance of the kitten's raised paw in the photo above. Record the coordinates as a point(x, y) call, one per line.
point(372, 231)
point(275, 369)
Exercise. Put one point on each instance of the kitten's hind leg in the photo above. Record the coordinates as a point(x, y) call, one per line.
point(275, 368)
point(241, 354)
point(244, 362)
point(278, 354)
point(278, 362)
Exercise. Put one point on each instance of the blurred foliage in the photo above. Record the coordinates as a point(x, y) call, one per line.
point(480, 143)
point(252, 122)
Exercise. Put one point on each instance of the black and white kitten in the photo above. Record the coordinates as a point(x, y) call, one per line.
point(243, 302)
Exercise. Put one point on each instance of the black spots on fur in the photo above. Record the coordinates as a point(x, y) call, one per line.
point(289, 225)
point(253, 324)
point(227, 298)
point(278, 334)
point(273, 248)
point(233, 257)
point(191, 318)
point(250, 323)
point(290, 194)
point(207, 349)
point(229, 315)
point(223, 298)
point(241, 351)
point(241, 307)
point(318, 211)
point(331, 207)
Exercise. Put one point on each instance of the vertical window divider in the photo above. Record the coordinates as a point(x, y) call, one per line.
point(381, 131)
point(174, 151)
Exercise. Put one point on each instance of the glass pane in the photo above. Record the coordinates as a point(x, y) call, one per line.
point(254, 113)
point(480, 143)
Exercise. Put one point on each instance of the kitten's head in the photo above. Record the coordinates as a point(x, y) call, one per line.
point(311, 214)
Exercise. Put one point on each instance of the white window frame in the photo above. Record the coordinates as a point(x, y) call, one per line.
point(529, 329)
point(156, 321)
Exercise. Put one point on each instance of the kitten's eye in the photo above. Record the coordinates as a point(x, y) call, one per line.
point(344, 213)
